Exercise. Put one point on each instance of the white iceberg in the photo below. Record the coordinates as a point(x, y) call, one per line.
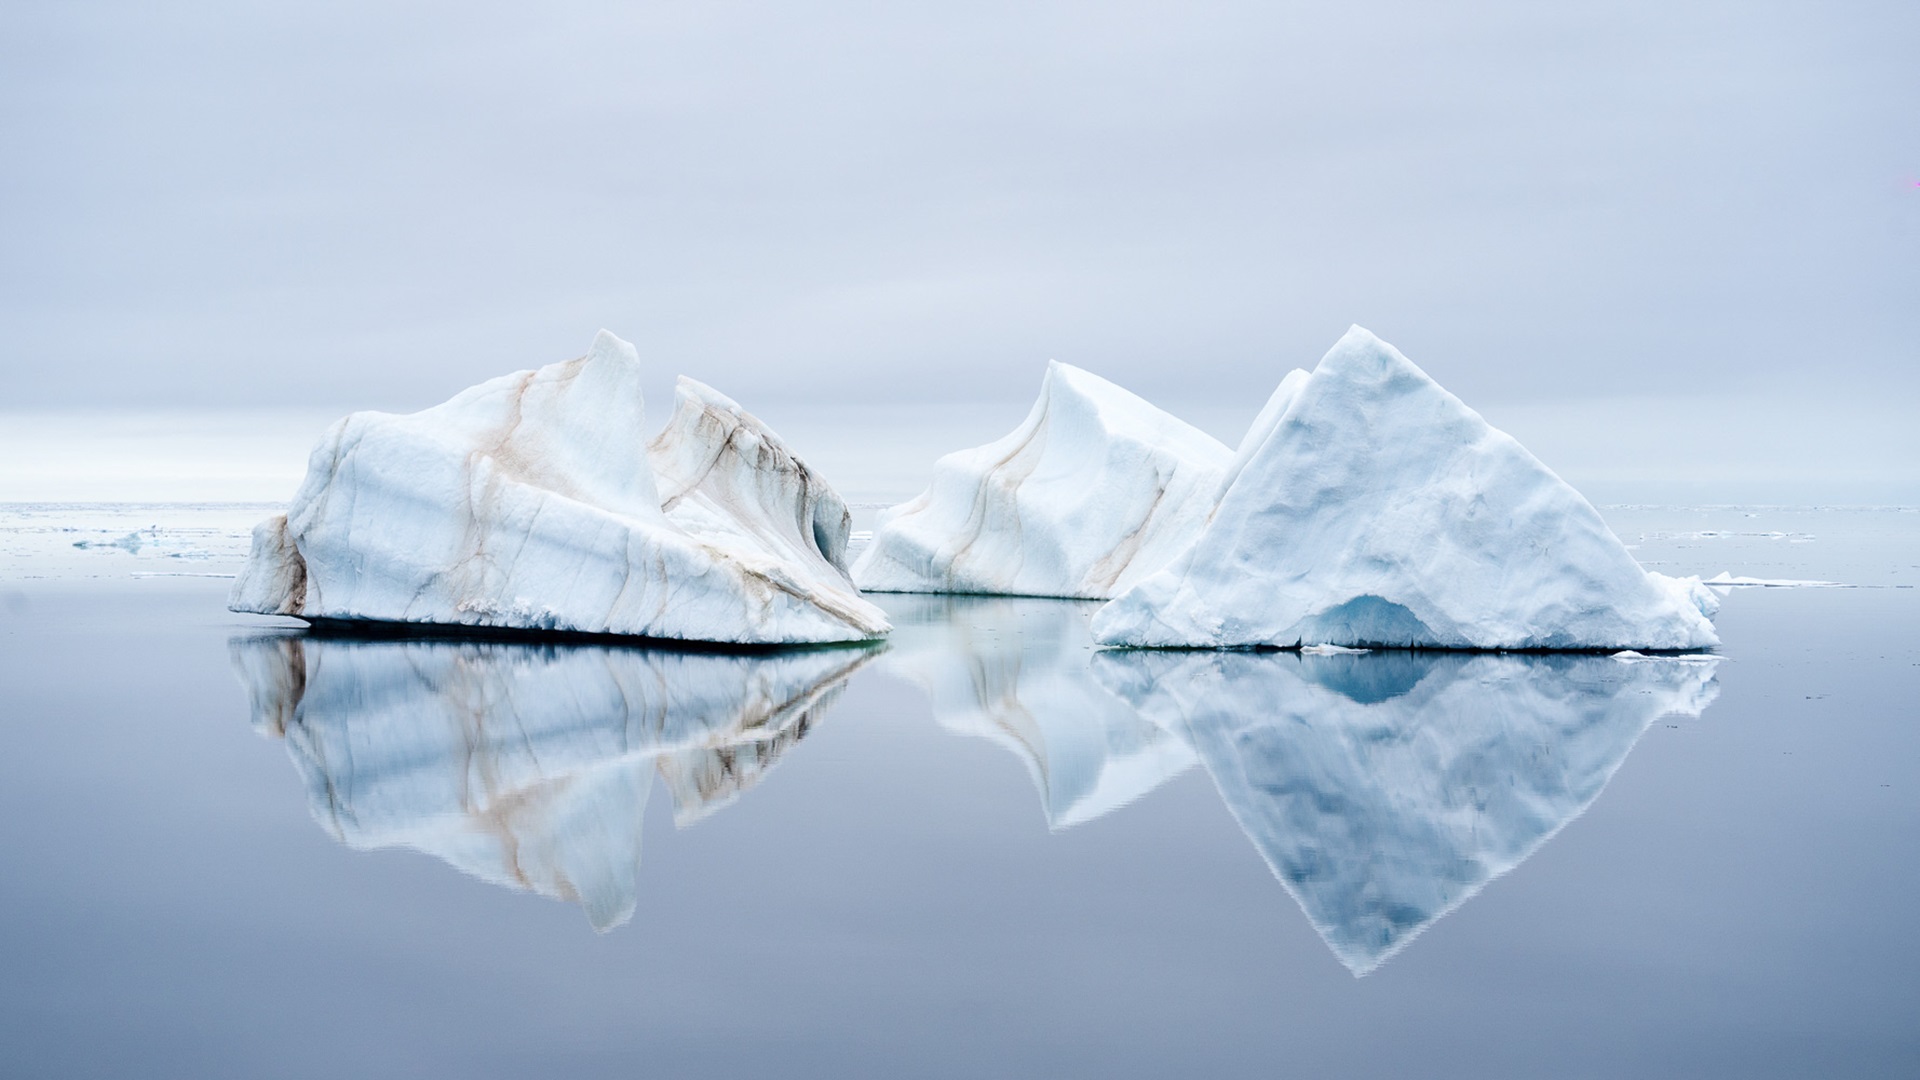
point(1373, 508)
point(1385, 789)
point(528, 766)
point(533, 502)
point(1094, 491)
point(1016, 671)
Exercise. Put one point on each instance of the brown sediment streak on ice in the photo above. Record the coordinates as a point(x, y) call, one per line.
point(1001, 482)
point(1107, 571)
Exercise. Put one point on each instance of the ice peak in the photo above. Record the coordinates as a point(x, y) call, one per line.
point(608, 347)
point(1369, 506)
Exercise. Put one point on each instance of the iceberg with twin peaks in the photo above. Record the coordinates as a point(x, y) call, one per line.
point(1094, 491)
point(534, 502)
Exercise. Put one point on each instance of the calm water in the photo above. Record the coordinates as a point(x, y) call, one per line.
point(986, 849)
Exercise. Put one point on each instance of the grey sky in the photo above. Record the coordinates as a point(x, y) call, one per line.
point(374, 204)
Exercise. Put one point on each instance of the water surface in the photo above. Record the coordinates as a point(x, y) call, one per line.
point(984, 849)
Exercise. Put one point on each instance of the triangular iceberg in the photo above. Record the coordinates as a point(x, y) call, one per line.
point(533, 502)
point(1371, 507)
point(1095, 490)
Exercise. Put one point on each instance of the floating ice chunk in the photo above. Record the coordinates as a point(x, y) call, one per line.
point(1385, 790)
point(1629, 656)
point(528, 766)
point(1094, 491)
point(1330, 650)
point(530, 502)
point(1380, 510)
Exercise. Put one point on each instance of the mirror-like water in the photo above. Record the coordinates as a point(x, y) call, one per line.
point(982, 848)
point(1384, 789)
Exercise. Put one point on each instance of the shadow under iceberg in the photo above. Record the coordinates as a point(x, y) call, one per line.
point(1384, 789)
point(528, 766)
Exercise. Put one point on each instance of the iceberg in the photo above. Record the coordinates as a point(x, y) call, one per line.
point(1016, 671)
point(1370, 507)
point(528, 766)
point(533, 502)
point(1385, 789)
point(1095, 490)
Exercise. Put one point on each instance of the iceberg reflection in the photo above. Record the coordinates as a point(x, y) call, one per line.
point(528, 765)
point(1385, 789)
point(1015, 670)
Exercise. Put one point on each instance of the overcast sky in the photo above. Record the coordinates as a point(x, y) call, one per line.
point(375, 204)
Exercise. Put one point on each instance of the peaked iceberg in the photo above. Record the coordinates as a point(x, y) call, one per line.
point(528, 766)
point(1094, 491)
point(1385, 789)
point(1371, 507)
point(533, 502)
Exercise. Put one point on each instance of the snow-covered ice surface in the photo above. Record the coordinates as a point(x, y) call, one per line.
point(1385, 789)
point(1375, 508)
point(528, 766)
point(532, 502)
point(1094, 491)
point(1015, 670)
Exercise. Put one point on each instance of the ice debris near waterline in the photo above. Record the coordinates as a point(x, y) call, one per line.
point(534, 502)
point(1093, 492)
point(1371, 507)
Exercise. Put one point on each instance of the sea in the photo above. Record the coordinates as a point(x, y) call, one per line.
point(983, 848)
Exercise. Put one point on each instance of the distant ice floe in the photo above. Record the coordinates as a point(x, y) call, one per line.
point(1093, 492)
point(1384, 790)
point(1724, 582)
point(528, 766)
point(533, 502)
point(1372, 508)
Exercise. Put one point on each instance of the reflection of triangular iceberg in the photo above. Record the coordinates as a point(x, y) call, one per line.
point(1015, 670)
point(1385, 789)
point(528, 765)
